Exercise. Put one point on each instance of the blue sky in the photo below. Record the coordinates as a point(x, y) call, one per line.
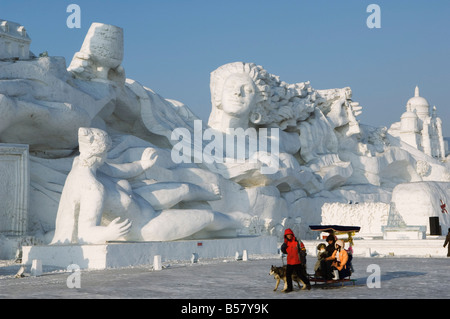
point(172, 46)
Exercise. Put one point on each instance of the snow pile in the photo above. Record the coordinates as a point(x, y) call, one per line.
point(416, 202)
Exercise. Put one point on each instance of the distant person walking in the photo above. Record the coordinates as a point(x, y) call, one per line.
point(447, 241)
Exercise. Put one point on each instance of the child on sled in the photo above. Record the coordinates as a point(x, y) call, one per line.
point(340, 261)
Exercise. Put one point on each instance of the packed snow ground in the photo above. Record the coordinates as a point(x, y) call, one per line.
point(420, 278)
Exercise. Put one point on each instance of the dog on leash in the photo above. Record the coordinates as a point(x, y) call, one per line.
point(279, 273)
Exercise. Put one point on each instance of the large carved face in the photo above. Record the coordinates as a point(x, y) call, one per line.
point(238, 95)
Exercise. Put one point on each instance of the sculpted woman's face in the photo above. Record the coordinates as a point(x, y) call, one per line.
point(238, 95)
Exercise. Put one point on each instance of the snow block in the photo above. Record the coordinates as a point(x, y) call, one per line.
point(245, 255)
point(125, 254)
point(36, 268)
point(157, 263)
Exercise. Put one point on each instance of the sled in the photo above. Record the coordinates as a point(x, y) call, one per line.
point(320, 280)
point(336, 230)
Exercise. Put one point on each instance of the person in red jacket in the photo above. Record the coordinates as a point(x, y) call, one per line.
point(296, 259)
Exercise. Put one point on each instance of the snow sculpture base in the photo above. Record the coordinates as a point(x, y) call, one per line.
point(390, 248)
point(10, 245)
point(14, 193)
point(125, 254)
point(408, 232)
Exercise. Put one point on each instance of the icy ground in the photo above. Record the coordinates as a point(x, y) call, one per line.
point(229, 279)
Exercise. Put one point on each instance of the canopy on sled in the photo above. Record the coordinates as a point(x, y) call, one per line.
point(337, 230)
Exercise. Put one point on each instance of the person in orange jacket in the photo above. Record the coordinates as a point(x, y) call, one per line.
point(296, 259)
point(340, 259)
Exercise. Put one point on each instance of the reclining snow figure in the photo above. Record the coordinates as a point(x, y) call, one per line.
point(93, 197)
point(325, 155)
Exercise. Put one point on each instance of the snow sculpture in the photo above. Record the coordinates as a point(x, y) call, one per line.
point(234, 95)
point(89, 201)
point(416, 202)
point(14, 189)
point(271, 102)
point(325, 154)
point(101, 54)
point(41, 107)
point(14, 41)
point(369, 216)
point(245, 95)
point(420, 129)
point(239, 94)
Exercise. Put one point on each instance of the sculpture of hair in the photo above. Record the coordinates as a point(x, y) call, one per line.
point(278, 103)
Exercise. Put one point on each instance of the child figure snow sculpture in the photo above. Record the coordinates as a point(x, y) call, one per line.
point(90, 199)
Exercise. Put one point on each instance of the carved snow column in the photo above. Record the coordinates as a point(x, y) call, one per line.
point(440, 137)
point(14, 189)
point(426, 141)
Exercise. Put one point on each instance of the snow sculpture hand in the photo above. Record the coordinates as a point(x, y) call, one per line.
point(148, 158)
point(116, 229)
